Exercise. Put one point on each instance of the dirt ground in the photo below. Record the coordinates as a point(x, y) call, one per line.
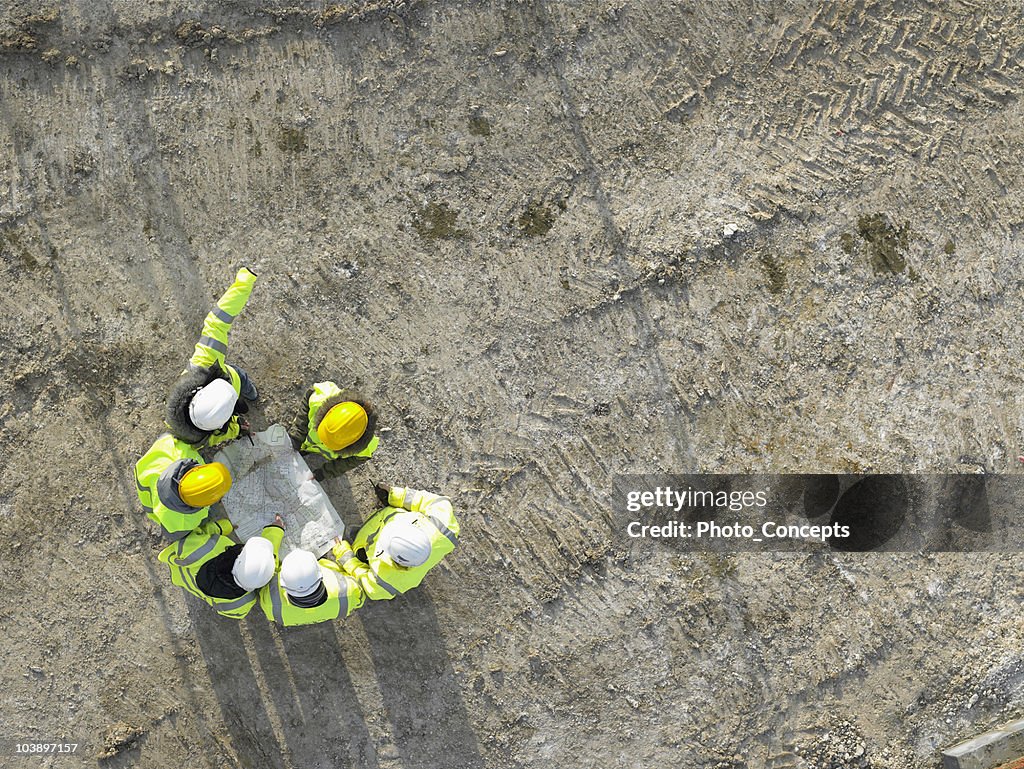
point(556, 242)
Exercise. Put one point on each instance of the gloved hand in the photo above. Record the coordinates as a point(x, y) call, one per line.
point(225, 526)
point(383, 491)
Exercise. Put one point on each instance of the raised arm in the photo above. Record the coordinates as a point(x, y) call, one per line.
point(213, 344)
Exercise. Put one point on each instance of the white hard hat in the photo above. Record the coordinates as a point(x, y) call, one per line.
point(406, 544)
point(213, 405)
point(255, 564)
point(300, 573)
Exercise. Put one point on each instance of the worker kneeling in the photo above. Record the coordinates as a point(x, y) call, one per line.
point(399, 544)
point(217, 570)
point(307, 591)
point(176, 487)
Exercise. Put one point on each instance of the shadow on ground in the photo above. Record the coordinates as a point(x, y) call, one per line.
point(289, 701)
point(429, 723)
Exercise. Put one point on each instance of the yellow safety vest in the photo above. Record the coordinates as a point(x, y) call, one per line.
point(212, 347)
point(187, 556)
point(343, 598)
point(176, 518)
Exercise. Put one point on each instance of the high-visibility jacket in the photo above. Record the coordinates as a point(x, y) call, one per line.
point(188, 555)
point(322, 398)
point(208, 363)
point(343, 597)
point(157, 476)
point(379, 576)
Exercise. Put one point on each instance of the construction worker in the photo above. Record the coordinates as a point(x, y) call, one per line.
point(221, 572)
point(338, 425)
point(176, 487)
point(306, 591)
point(205, 402)
point(398, 545)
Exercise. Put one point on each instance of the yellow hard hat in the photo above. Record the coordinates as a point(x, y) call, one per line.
point(342, 426)
point(205, 484)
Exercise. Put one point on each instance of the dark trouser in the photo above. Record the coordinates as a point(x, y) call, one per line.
point(247, 389)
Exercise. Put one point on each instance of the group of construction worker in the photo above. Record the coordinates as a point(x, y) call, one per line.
point(389, 554)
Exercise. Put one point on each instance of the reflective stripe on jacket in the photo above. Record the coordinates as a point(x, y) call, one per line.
point(164, 457)
point(187, 556)
point(343, 597)
point(213, 344)
point(381, 578)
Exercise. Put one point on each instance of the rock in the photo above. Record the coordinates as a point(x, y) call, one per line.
point(119, 738)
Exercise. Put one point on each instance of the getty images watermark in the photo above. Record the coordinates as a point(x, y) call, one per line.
point(785, 513)
point(676, 500)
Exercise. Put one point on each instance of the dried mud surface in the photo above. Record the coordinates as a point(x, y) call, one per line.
point(556, 242)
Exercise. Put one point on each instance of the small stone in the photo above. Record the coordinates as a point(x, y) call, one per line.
point(120, 737)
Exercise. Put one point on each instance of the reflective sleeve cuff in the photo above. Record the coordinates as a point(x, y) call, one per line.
point(346, 560)
point(417, 501)
point(441, 508)
point(342, 553)
point(228, 434)
point(358, 570)
point(233, 301)
point(356, 596)
point(339, 548)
